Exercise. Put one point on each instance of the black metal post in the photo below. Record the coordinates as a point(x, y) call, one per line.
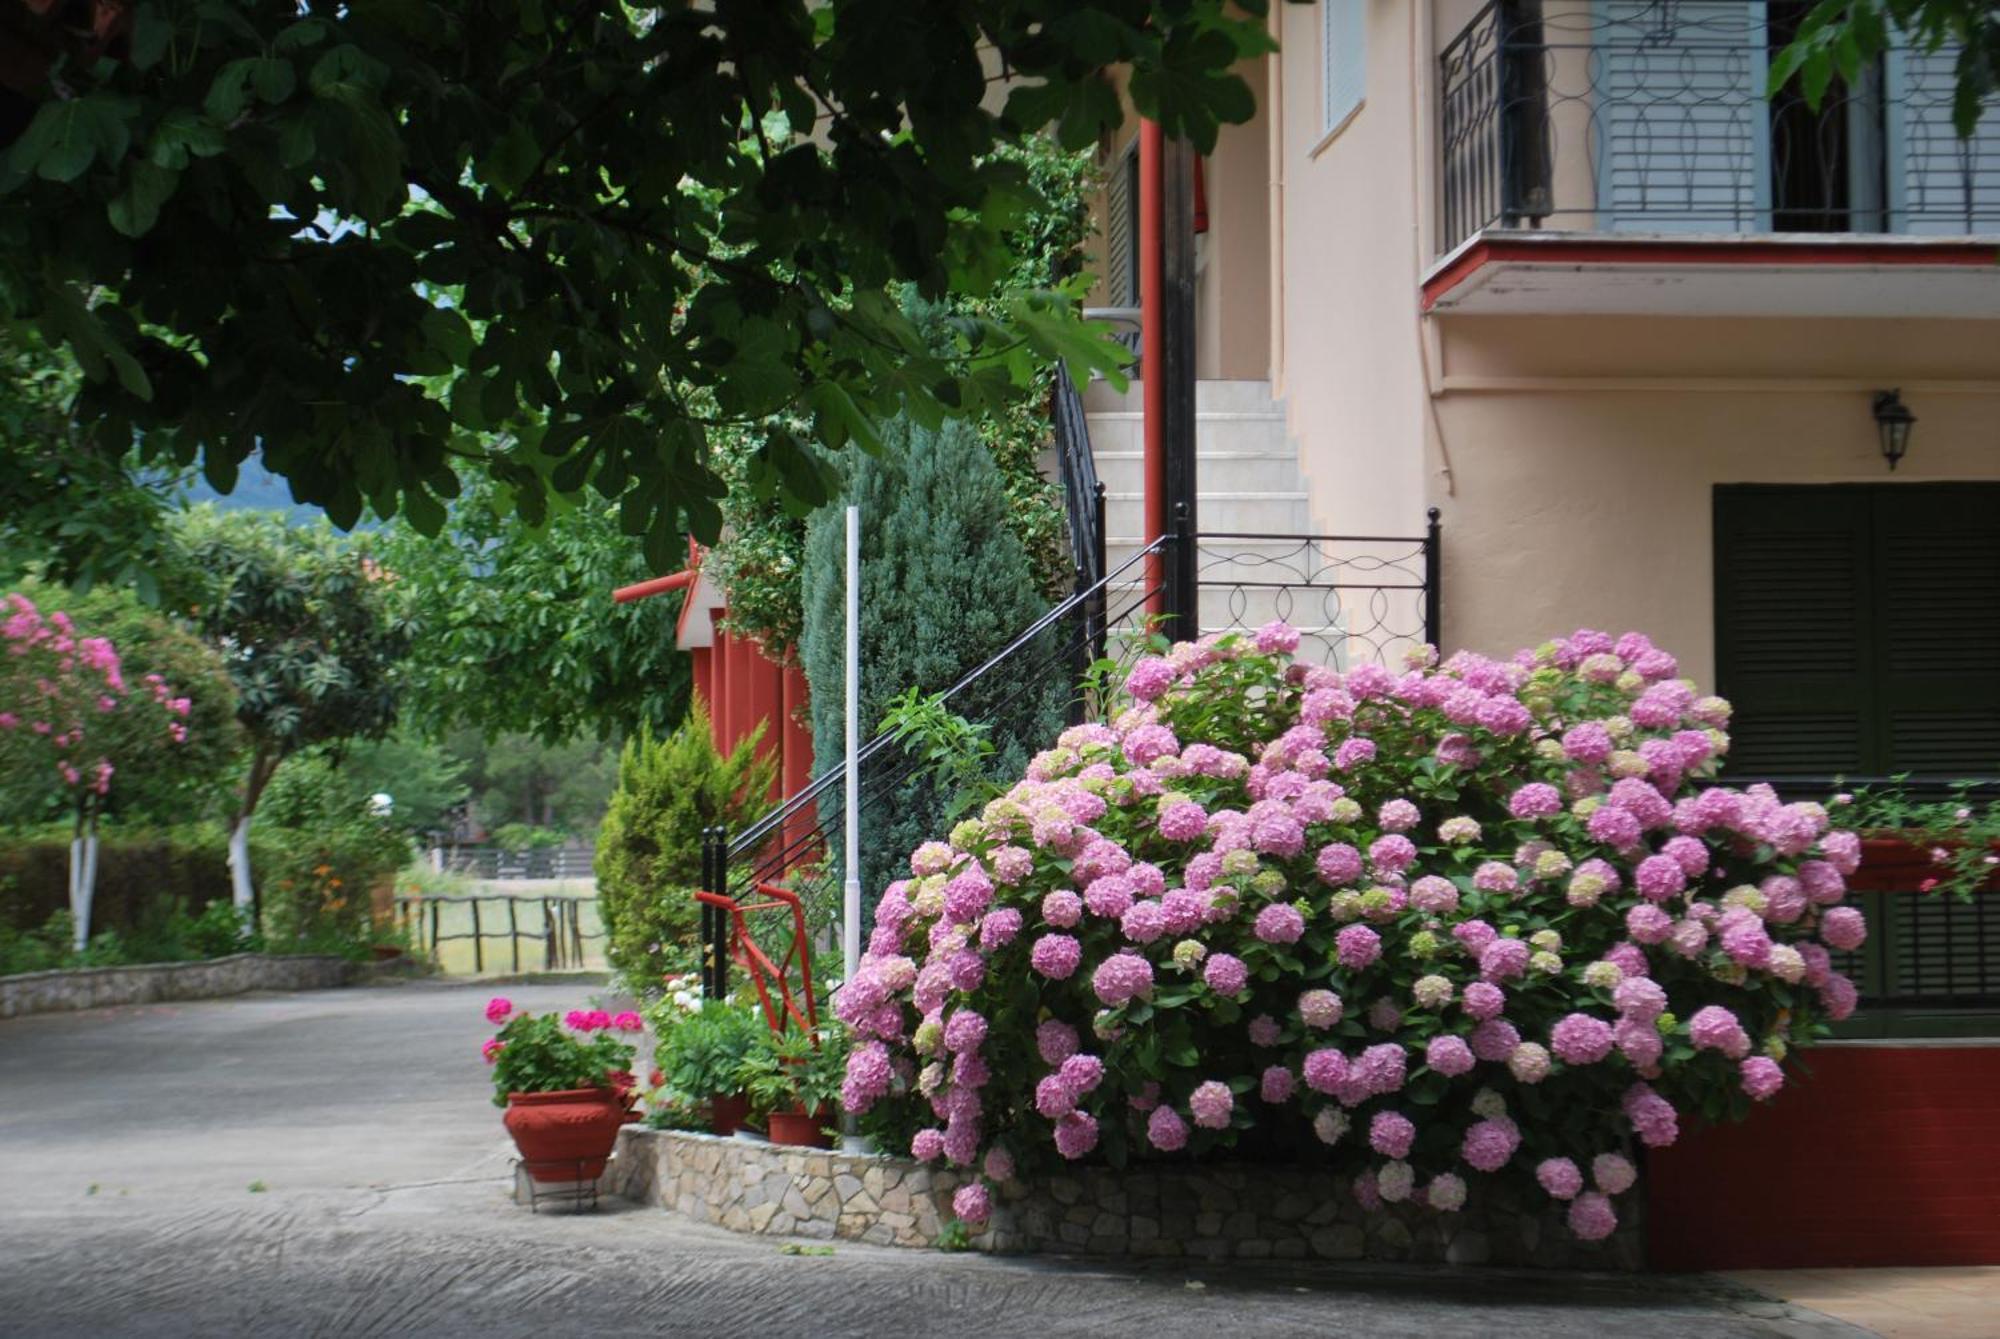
point(1099, 608)
point(1178, 428)
point(1433, 581)
point(478, 942)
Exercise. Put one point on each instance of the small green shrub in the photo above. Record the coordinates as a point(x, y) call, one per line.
point(518, 837)
point(649, 849)
point(701, 1053)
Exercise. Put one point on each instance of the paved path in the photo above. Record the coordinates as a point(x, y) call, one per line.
point(131, 1139)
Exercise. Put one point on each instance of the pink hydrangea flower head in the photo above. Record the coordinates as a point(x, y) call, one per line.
point(1056, 956)
point(1122, 977)
point(1391, 1134)
point(1398, 815)
point(1338, 863)
point(1211, 1104)
point(1591, 1216)
point(1264, 1030)
point(1482, 1000)
point(999, 1164)
point(1490, 1143)
point(1143, 922)
point(1055, 1041)
point(1277, 637)
point(1647, 924)
point(1076, 1134)
point(927, 1145)
point(999, 927)
point(1352, 753)
point(1062, 908)
point(1494, 1040)
point(965, 1030)
point(1843, 928)
point(1225, 973)
point(1537, 799)
point(1280, 923)
point(1715, 1028)
point(1762, 1077)
point(1081, 1073)
point(1579, 1039)
point(1392, 854)
point(1449, 1055)
point(1151, 677)
point(1504, 959)
point(972, 1203)
point(1165, 1130)
point(1324, 1069)
point(1640, 999)
point(1560, 1177)
point(1496, 876)
point(1357, 946)
point(1383, 1067)
point(1277, 1084)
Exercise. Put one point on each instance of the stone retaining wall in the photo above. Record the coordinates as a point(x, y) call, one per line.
point(1205, 1213)
point(104, 987)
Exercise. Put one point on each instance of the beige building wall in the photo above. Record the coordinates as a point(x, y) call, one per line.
point(1583, 454)
point(1350, 372)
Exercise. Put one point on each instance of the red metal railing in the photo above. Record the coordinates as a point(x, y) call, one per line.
point(765, 974)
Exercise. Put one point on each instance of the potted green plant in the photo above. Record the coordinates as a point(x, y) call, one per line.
point(700, 1053)
point(566, 1084)
point(793, 1082)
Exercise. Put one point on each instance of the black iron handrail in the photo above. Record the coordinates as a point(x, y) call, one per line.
point(1081, 602)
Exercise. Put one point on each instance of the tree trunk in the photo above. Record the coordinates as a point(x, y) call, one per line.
point(82, 877)
point(243, 889)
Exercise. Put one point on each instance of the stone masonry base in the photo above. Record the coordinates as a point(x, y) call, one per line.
point(1206, 1213)
point(103, 987)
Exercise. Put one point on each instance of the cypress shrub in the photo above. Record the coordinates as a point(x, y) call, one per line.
point(648, 859)
point(945, 583)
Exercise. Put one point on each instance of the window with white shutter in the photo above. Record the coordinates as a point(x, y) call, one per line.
point(1343, 60)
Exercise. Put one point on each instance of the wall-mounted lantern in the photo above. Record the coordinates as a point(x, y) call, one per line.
point(1893, 420)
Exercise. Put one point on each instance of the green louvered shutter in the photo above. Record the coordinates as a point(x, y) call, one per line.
point(1858, 628)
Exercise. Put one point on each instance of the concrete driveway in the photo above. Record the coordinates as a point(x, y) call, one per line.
point(327, 1164)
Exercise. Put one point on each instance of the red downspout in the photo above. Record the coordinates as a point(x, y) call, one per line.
point(1152, 331)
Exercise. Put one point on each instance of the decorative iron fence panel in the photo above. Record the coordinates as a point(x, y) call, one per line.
point(1651, 116)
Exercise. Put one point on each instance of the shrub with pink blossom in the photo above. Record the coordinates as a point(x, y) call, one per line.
point(1473, 918)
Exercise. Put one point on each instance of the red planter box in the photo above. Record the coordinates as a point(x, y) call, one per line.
point(1893, 865)
point(1882, 1156)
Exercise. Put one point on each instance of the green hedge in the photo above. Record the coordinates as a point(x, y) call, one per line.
point(139, 875)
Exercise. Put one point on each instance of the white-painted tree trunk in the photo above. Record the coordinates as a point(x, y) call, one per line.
point(240, 886)
point(82, 884)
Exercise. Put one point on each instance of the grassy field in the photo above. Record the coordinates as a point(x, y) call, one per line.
point(530, 916)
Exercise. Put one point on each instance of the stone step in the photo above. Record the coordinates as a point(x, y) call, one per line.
point(1210, 394)
point(1248, 513)
point(1120, 435)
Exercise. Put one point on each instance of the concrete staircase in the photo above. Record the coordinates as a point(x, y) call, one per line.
point(1247, 474)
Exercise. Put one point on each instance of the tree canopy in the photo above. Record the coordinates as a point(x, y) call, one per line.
point(380, 240)
point(517, 629)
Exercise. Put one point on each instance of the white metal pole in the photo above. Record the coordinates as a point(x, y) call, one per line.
point(851, 908)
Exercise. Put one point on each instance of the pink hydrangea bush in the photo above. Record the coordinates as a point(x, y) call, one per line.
point(1470, 919)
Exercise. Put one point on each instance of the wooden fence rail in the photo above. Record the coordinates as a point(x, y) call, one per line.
point(560, 934)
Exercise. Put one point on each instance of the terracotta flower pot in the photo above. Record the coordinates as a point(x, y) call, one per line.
point(727, 1114)
point(799, 1127)
point(565, 1136)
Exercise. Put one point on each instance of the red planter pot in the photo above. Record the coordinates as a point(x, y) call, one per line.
point(798, 1127)
point(727, 1114)
point(565, 1136)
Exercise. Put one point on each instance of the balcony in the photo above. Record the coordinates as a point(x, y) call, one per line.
point(1620, 156)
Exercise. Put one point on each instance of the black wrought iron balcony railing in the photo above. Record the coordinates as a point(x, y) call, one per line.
point(1651, 116)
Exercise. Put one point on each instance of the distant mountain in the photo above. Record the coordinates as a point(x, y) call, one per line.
point(257, 489)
